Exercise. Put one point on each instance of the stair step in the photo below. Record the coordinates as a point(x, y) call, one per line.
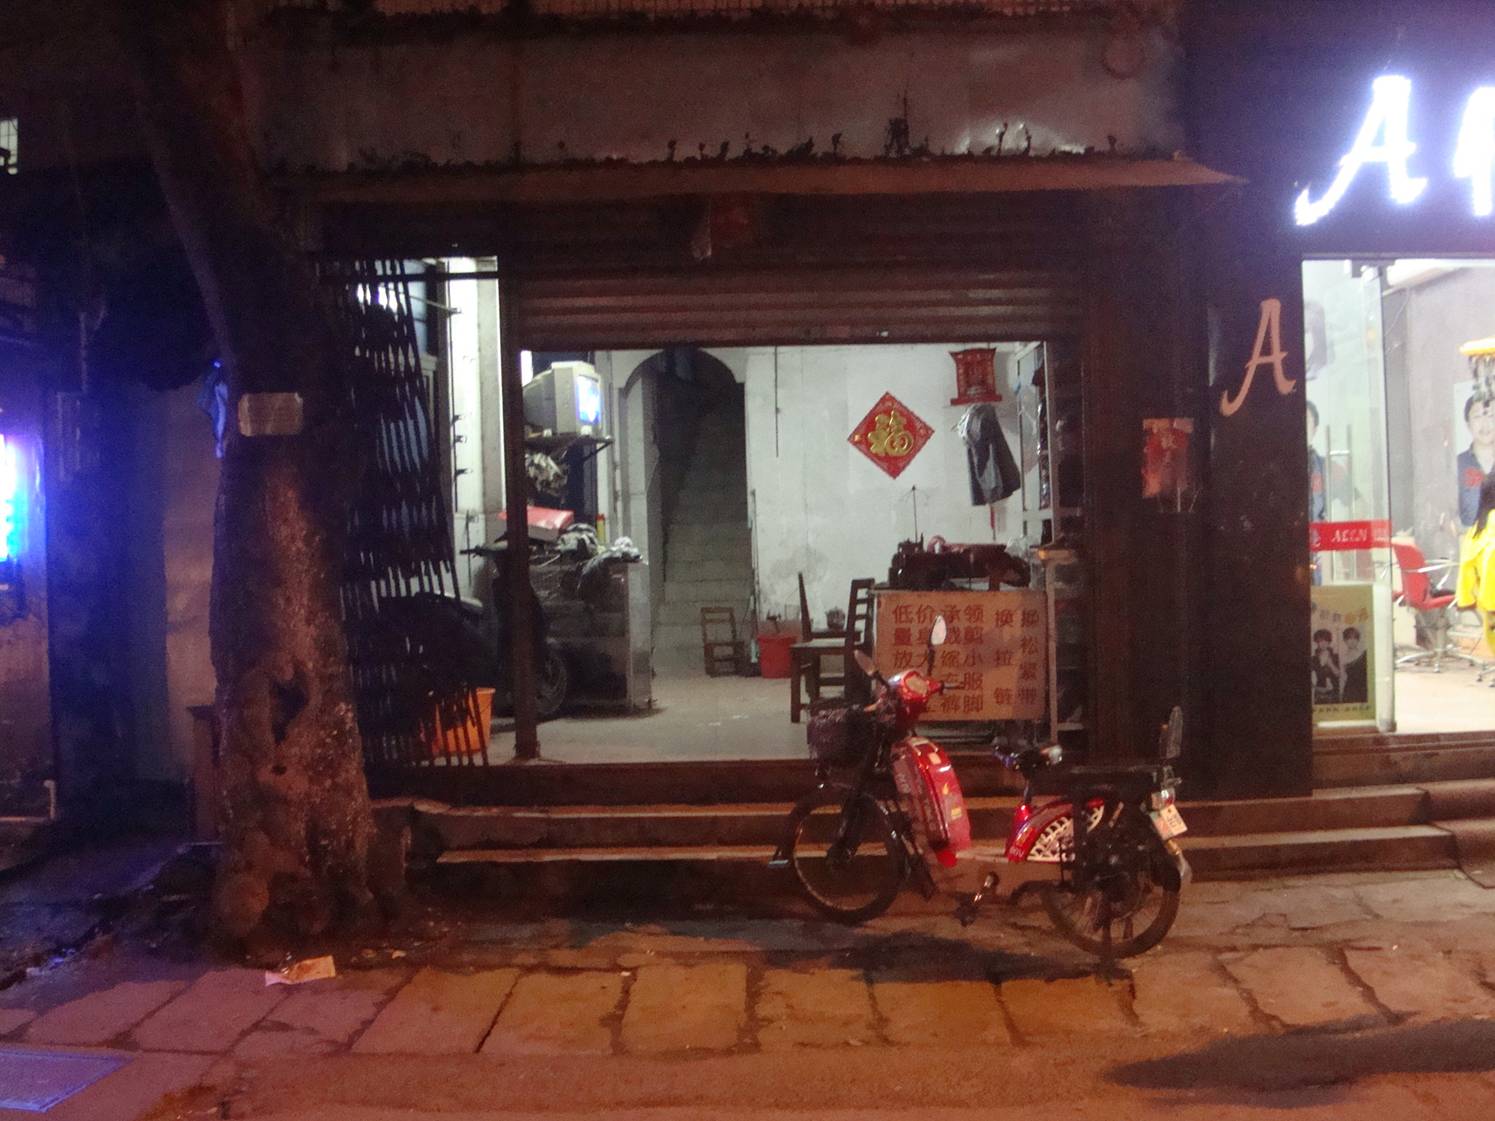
point(682, 589)
point(1388, 848)
point(728, 567)
point(761, 823)
point(1401, 848)
point(1383, 766)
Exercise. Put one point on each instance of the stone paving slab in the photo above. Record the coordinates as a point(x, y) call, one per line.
point(1187, 993)
point(1420, 900)
point(130, 1092)
point(439, 1013)
point(1422, 984)
point(940, 1013)
point(14, 1019)
point(824, 1008)
point(320, 1017)
point(558, 1014)
point(686, 1007)
point(212, 1013)
point(1300, 986)
point(99, 1017)
point(1066, 1007)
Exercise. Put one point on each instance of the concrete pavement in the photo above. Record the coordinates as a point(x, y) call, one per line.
point(1379, 986)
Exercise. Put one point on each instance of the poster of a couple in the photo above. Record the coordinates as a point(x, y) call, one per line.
point(1342, 667)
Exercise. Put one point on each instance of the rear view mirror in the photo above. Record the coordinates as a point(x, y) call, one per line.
point(940, 632)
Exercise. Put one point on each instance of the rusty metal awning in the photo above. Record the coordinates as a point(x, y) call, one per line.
point(626, 182)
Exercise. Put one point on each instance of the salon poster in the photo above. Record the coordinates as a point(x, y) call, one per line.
point(995, 654)
point(1343, 654)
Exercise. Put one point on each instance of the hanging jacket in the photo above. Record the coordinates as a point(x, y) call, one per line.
point(1477, 569)
point(994, 473)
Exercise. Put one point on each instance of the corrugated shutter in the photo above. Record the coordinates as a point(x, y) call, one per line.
point(944, 268)
point(790, 305)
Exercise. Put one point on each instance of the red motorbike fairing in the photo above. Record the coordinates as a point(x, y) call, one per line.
point(926, 780)
point(1030, 823)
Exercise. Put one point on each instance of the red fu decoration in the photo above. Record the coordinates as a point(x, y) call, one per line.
point(890, 435)
point(975, 376)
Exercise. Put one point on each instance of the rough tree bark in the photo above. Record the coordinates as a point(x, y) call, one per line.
point(296, 819)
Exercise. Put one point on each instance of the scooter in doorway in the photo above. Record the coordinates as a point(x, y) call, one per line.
point(474, 638)
point(888, 808)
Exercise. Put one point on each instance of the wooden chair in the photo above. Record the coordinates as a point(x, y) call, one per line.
point(807, 673)
point(721, 649)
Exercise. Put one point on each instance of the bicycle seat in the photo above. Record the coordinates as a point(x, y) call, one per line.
point(1026, 760)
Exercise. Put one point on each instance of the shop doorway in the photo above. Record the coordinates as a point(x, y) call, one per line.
point(1401, 433)
point(733, 473)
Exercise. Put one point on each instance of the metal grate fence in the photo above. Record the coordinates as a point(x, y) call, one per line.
point(414, 689)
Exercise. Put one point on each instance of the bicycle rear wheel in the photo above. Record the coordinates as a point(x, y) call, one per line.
point(1131, 899)
point(847, 858)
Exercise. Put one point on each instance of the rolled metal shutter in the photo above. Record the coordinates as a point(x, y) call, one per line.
point(933, 268)
point(791, 306)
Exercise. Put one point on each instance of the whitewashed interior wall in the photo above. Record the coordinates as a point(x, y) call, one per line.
point(818, 505)
point(824, 509)
point(469, 373)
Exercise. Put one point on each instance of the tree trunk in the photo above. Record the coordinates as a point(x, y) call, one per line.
point(296, 820)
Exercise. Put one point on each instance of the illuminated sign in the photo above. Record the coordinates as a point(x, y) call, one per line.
point(10, 497)
point(1385, 139)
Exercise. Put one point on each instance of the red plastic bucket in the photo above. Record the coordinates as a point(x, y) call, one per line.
point(773, 653)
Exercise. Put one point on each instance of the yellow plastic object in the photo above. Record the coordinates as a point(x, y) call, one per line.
point(1478, 348)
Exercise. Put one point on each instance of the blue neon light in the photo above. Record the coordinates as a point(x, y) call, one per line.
point(10, 500)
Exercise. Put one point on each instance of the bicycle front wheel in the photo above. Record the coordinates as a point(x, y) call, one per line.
point(847, 858)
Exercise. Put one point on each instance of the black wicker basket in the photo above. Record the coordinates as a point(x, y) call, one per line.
point(841, 735)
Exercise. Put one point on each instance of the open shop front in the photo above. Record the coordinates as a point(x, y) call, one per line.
point(1368, 211)
point(755, 434)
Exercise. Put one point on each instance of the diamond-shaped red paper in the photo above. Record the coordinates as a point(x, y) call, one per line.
point(890, 435)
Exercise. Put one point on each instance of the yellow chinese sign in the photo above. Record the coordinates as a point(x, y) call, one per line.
point(993, 660)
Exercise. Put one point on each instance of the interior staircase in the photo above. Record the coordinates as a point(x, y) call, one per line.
point(709, 829)
point(708, 547)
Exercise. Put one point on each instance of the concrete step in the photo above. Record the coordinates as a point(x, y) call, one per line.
point(716, 509)
point(1388, 848)
point(744, 824)
point(703, 540)
point(714, 482)
point(685, 630)
point(744, 868)
point(1379, 765)
point(725, 567)
point(684, 589)
point(675, 615)
point(682, 605)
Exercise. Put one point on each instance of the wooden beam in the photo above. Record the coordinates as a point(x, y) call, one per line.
point(623, 182)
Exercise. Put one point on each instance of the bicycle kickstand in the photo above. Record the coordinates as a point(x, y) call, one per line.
point(966, 912)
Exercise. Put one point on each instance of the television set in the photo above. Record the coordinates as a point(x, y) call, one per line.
point(565, 400)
